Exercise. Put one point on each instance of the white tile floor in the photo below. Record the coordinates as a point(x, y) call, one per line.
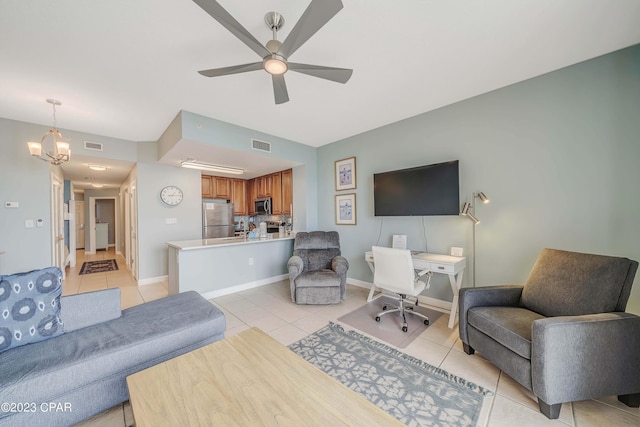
point(270, 308)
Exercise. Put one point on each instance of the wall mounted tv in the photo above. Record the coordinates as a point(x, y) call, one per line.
point(424, 190)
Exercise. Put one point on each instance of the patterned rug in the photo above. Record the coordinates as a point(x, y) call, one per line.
point(102, 266)
point(413, 391)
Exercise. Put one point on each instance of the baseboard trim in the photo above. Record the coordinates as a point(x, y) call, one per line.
point(359, 283)
point(150, 280)
point(244, 287)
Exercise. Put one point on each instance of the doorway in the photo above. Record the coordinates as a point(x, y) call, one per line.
point(109, 216)
point(57, 224)
point(79, 215)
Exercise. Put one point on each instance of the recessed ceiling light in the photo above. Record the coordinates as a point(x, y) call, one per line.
point(97, 167)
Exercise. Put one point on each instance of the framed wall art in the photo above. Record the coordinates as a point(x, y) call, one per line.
point(345, 174)
point(346, 209)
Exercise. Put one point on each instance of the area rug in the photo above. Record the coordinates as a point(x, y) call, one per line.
point(101, 266)
point(389, 329)
point(411, 390)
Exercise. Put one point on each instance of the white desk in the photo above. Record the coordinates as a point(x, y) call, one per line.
point(452, 266)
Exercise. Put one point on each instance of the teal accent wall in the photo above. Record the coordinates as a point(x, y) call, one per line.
point(558, 156)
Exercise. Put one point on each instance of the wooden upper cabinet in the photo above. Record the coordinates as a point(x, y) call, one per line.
point(222, 187)
point(263, 186)
point(239, 196)
point(243, 193)
point(207, 189)
point(216, 187)
point(276, 193)
point(252, 194)
point(287, 191)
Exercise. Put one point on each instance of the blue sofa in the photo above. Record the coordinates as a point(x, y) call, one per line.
point(65, 379)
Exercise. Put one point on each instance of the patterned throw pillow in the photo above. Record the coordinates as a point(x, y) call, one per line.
point(30, 307)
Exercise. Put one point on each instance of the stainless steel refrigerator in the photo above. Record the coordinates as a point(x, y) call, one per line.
point(217, 220)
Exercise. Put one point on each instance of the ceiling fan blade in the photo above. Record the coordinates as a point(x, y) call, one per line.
point(318, 13)
point(340, 75)
point(280, 89)
point(235, 69)
point(218, 13)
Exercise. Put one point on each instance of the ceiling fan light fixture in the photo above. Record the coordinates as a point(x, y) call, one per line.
point(275, 64)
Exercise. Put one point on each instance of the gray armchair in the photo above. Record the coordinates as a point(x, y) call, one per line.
point(563, 335)
point(317, 272)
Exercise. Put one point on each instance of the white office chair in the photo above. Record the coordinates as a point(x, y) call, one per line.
point(394, 272)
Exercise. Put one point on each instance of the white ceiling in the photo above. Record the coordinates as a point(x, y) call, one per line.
point(125, 68)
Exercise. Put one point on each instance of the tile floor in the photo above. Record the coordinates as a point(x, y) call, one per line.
point(270, 308)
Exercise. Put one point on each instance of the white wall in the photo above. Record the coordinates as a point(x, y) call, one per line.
point(558, 156)
point(153, 230)
point(25, 180)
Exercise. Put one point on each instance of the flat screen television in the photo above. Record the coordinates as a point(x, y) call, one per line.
point(424, 190)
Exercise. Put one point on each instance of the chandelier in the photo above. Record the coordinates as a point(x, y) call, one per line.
point(60, 152)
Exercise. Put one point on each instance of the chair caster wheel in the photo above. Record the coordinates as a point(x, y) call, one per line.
point(405, 329)
point(384, 308)
point(377, 318)
point(426, 322)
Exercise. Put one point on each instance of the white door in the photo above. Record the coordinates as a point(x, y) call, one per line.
point(80, 225)
point(57, 223)
point(133, 221)
point(127, 227)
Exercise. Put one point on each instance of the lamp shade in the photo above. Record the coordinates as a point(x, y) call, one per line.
point(483, 197)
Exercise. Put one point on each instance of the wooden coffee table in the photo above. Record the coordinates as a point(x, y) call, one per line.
point(248, 379)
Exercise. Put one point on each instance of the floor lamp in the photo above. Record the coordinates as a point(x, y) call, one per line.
point(468, 210)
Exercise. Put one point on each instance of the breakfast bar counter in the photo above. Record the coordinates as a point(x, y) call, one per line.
point(187, 245)
point(216, 267)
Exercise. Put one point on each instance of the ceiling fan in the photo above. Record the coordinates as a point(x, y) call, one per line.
point(275, 54)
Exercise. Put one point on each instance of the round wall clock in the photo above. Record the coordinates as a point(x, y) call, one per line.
point(171, 195)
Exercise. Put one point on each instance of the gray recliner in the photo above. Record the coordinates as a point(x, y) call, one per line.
point(317, 271)
point(563, 335)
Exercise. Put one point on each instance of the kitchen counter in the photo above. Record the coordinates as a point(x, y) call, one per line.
point(186, 245)
point(216, 267)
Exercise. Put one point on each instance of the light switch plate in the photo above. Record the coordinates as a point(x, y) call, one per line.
point(11, 204)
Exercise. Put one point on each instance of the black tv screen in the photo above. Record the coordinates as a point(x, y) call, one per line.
point(425, 190)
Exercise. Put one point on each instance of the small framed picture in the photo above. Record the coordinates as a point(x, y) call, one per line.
point(346, 174)
point(346, 209)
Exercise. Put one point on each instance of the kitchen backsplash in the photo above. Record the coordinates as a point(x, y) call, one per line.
point(240, 220)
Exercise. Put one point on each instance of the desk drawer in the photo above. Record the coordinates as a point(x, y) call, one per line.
point(441, 268)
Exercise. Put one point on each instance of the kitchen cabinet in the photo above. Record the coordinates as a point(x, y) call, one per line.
point(264, 186)
point(243, 193)
point(216, 187)
point(207, 189)
point(222, 187)
point(276, 193)
point(287, 191)
point(239, 196)
point(252, 194)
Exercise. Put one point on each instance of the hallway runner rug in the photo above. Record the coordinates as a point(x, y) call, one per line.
point(102, 266)
point(411, 390)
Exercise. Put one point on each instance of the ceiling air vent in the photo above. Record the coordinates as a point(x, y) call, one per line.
point(95, 146)
point(261, 145)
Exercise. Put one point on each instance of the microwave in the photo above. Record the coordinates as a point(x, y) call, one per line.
point(263, 206)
